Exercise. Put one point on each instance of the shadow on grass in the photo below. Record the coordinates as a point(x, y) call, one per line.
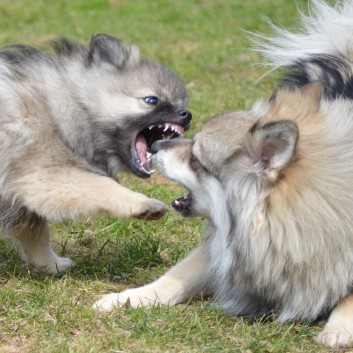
point(108, 249)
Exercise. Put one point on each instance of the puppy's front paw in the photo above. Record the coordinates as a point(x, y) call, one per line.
point(151, 209)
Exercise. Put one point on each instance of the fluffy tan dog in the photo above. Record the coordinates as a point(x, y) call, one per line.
point(276, 185)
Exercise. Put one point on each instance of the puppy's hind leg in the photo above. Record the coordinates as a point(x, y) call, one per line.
point(338, 332)
point(33, 242)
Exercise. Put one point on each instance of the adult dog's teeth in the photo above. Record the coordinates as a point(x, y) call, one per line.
point(150, 127)
point(166, 128)
point(153, 170)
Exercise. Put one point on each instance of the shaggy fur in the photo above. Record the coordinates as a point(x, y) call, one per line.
point(70, 121)
point(275, 184)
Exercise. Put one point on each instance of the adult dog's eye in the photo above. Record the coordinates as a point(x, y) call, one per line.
point(194, 163)
point(152, 100)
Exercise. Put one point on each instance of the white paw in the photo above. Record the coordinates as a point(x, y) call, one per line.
point(335, 337)
point(61, 264)
point(137, 297)
point(107, 303)
point(53, 265)
point(46, 260)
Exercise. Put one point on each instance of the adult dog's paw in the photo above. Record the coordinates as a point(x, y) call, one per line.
point(336, 335)
point(107, 303)
point(136, 297)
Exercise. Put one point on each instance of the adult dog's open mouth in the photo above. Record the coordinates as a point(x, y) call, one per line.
point(183, 205)
point(147, 137)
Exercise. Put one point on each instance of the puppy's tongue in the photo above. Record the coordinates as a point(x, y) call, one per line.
point(141, 148)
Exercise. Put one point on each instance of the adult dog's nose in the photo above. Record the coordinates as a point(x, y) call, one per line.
point(155, 146)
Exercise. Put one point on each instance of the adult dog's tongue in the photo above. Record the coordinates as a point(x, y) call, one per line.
point(141, 148)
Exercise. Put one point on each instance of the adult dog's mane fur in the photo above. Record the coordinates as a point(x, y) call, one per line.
point(280, 233)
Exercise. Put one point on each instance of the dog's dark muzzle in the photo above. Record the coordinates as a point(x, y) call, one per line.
point(183, 205)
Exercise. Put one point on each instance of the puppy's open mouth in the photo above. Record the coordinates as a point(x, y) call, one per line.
point(183, 205)
point(148, 136)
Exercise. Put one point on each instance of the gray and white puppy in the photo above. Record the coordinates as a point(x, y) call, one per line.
point(70, 121)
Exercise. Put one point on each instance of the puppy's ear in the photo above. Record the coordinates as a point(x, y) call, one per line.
point(271, 147)
point(104, 48)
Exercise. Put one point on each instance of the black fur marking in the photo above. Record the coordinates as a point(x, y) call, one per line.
point(334, 73)
point(66, 47)
point(19, 54)
point(254, 127)
point(61, 47)
point(119, 143)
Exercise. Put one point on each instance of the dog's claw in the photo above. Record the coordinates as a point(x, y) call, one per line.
point(154, 210)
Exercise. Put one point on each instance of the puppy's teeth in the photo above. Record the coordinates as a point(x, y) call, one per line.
point(153, 170)
point(166, 128)
point(160, 125)
point(150, 127)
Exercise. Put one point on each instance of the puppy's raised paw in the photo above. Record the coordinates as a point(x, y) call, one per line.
point(151, 210)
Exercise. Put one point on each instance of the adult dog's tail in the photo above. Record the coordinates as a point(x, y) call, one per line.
point(326, 31)
point(322, 51)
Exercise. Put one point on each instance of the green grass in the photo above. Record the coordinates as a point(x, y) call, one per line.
point(203, 42)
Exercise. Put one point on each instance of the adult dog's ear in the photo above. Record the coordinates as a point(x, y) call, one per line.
point(271, 147)
point(104, 48)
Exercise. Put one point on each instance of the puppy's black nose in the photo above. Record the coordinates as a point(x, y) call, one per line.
point(185, 115)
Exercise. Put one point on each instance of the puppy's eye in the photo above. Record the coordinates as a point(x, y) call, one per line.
point(151, 100)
